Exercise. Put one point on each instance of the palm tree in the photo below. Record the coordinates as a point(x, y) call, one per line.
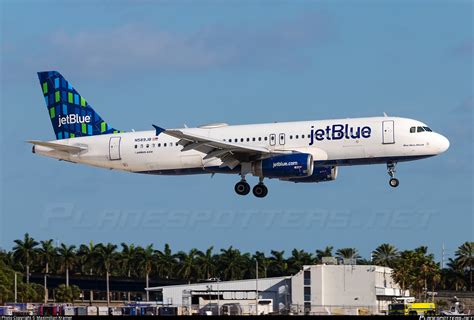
point(166, 262)
point(385, 255)
point(465, 259)
point(263, 262)
point(188, 264)
point(348, 253)
point(232, 263)
point(106, 259)
point(147, 262)
point(430, 273)
point(128, 260)
point(298, 259)
point(327, 252)
point(402, 270)
point(46, 254)
point(24, 252)
point(278, 264)
point(416, 270)
point(67, 257)
point(453, 276)
point(87, 255)
point(207, 264)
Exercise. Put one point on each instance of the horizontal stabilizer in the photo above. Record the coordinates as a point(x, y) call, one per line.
point(58, 146)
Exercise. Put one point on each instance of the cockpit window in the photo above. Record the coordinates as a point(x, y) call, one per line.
point(420, 129)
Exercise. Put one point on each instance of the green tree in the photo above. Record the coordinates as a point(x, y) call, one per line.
point(26, 292)
point(128, 258)
point(189, 264)
point(453, 276)
point(417, 271)
point(326, 252)
point(67, 258)
point(128, 261)
point(6, 282)
point(278, 264)
point(347, 253)
point(106, 255)
point(166, 263)
point(232, 264)
point(147, 263)
point(67, 294)
point(47, 254)
point(298, 259)
point(24, 253)
point(87, 255)
point(263, 263)
point(465, 259)
point(207, 264)
point(385, 255)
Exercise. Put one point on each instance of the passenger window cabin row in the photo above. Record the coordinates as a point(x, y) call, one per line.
point(236, 140)
point(154, 145)
point(254, 139)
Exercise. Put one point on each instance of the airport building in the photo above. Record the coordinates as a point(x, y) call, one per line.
point(317, 289)
point(343, 289)
point(228, 297)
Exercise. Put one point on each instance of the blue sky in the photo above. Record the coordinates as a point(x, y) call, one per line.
point(174, 62)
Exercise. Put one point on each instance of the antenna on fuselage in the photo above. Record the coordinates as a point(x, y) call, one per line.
point(385, 115)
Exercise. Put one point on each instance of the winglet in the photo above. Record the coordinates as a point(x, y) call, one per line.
point(158, 130)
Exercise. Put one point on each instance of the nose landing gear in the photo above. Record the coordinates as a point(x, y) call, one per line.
point(393, 182)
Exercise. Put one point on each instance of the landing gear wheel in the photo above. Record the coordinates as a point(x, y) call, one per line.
point(391, 172)
point(242, 188)
point(394, 182)
point(260, 190)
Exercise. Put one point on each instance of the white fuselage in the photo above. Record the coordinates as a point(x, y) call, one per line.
point(330, 142)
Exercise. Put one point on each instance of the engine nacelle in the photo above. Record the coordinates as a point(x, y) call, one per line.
point(320, 174)
point(284, 166)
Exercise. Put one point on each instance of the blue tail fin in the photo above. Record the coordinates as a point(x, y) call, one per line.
point(70, 113)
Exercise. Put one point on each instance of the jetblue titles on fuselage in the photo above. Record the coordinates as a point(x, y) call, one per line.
point(338, 132)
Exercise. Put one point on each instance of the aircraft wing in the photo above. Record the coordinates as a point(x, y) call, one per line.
point(231, 154)
point(58, 146)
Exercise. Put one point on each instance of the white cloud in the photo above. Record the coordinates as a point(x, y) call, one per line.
point(135, 47)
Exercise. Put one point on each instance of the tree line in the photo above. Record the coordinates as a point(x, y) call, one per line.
point(415, 270)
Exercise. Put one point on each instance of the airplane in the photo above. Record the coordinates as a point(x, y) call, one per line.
point(300, 152)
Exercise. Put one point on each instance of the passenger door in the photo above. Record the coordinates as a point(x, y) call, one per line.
point(114, 148)
point(388, 132)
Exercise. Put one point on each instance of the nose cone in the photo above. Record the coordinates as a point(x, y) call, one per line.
point(442, 143)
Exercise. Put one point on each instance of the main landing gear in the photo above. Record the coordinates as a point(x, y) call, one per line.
point(391, 172)
point(243, 188)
